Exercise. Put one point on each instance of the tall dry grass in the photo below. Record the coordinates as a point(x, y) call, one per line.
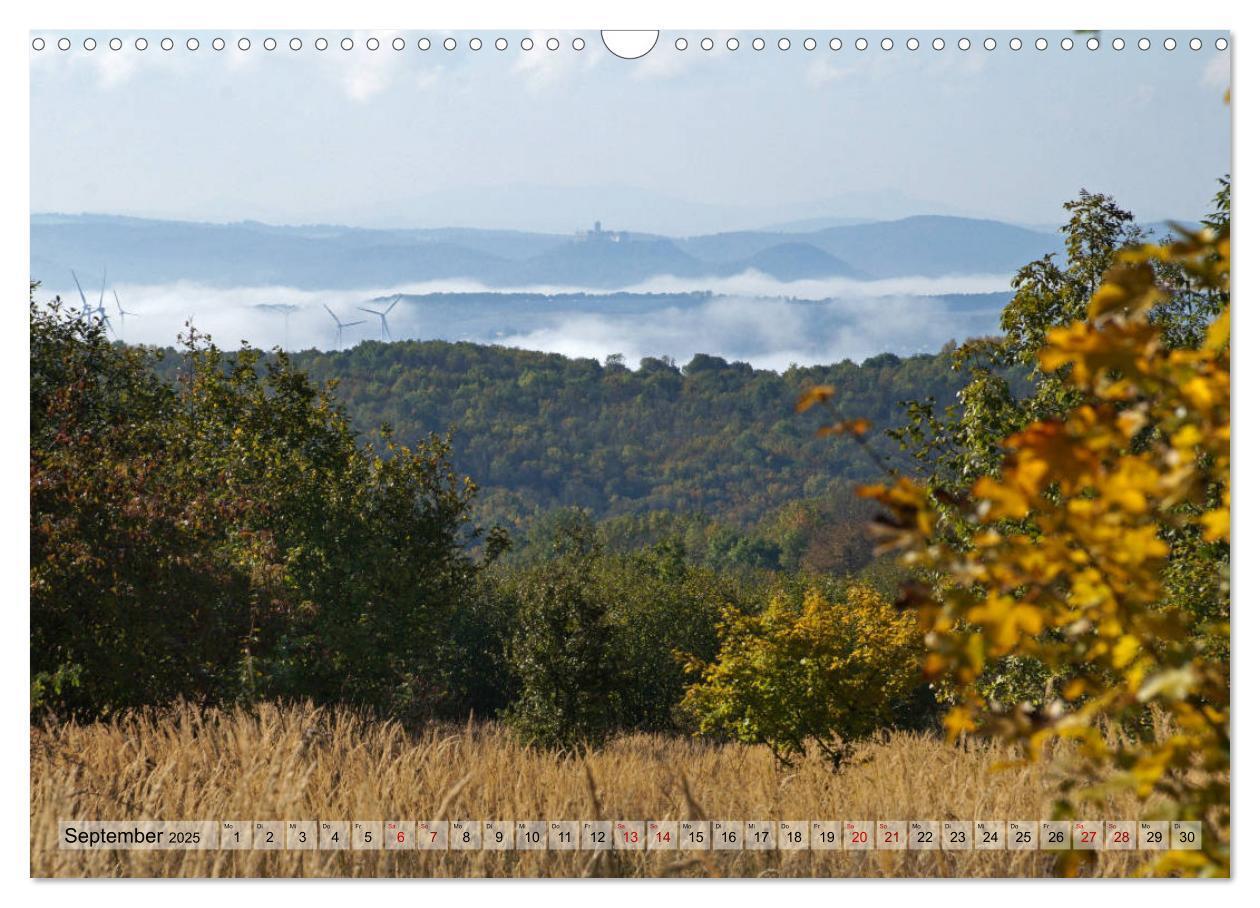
point(299, 762)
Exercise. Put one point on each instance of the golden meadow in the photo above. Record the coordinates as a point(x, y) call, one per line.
point(301, 762)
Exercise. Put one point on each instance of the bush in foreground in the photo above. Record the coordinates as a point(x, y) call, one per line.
point(822, 671)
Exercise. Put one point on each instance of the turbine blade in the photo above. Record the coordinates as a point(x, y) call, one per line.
point(349, 324)
point(104, 275)
point(397, 297)
point(373, 311)
point(333, 314)
point(80, 286)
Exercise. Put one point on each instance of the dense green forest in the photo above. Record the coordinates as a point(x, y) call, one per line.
point(540, 431)
point(711, 452)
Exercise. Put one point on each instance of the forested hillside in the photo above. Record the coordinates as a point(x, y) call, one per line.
point(539, 431)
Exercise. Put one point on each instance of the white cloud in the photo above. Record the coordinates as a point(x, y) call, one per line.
point(822, 71)
point(541, 68)
point(116, 67)
point(849, 63)
point(362, 73)
point(365, 73)
point(362, 83)
point(666, 61)
point(109, 68)
point(1217, 72)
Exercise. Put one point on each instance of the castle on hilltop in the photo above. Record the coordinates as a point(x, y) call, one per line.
point(600, 235)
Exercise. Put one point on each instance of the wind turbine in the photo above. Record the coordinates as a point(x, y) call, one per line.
point(122, 313)
point(87, 310)
point(286, 309)
point(385, 335)
point(341, 326)
point(100, 303)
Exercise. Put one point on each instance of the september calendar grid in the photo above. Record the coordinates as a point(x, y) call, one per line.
point(633, 835)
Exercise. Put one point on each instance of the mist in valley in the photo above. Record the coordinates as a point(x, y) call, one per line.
point(749, 317)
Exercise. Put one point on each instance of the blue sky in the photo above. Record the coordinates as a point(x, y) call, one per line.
point(677, 142)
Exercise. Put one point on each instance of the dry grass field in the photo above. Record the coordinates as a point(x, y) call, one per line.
point(299, 762)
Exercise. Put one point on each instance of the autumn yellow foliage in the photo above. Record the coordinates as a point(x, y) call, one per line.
point(1065, 551)
point(819, 671)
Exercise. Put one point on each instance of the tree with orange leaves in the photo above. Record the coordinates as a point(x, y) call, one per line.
point(1064, 554)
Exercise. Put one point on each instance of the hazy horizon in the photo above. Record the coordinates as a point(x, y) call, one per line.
point(697, 141)
point(681, 144)
point(799, 225)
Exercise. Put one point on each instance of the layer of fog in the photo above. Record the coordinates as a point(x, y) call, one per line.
point(754, 283)
point(769, 333)
point(750, 317)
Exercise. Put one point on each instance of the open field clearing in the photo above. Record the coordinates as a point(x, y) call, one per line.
point(298, 762)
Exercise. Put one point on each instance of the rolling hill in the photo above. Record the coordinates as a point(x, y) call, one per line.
point(137, 250)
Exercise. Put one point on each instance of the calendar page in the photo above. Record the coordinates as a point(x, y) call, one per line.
point(779, 452)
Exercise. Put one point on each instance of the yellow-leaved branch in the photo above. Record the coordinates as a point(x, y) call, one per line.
point(1068, 547)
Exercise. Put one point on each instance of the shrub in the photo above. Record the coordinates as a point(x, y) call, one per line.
point(562, 651)
point(661, 605)
point(821, 671)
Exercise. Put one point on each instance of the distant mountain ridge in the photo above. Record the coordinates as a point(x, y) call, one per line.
point(796, 261)
point(139, 250)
